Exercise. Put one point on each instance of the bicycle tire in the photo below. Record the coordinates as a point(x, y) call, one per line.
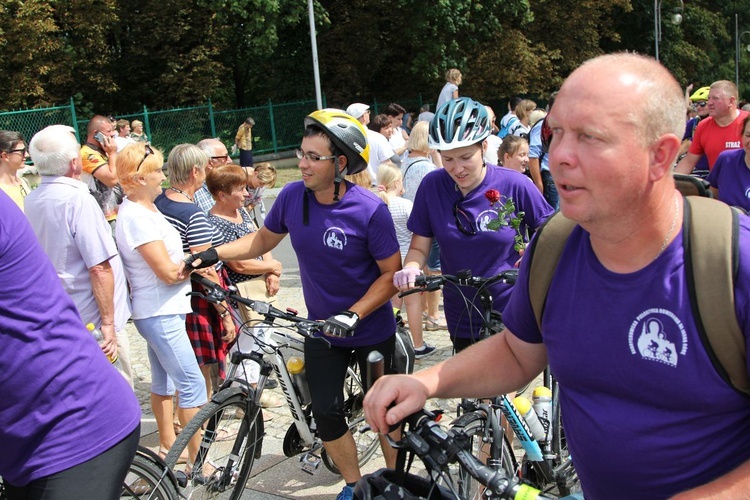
point(148, 479)
point(366, 442)
point(229, 447)
point(473, 424)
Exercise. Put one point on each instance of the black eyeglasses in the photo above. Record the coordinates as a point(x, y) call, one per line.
point(312, 156)
point(149, 151)
point(701, 104)
point(464, 222)
point(22, 151)
point(222, 158)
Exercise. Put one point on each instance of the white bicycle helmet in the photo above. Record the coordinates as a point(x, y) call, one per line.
point(458, 123)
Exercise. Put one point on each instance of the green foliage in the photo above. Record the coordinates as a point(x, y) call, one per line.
point(114, 56)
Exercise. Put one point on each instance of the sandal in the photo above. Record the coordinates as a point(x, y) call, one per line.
point(183, 457)
point(433, 324)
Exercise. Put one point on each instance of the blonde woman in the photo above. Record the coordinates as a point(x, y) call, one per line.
point(453, 79)
point(523, 113)
point(151, 251)
point(390, 189)
point(137, 133)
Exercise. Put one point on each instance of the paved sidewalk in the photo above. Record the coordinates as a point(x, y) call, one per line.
point(275, 476)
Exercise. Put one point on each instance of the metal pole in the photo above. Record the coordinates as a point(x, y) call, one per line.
point(314, 43)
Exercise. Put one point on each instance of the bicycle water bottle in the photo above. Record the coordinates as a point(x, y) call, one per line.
point(99, 337)
point(523, 405)
point(543, 407)
point(296, 367)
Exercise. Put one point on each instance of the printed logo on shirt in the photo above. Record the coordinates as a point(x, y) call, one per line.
point(334, 237)
point(658, 335)
point(484, 218)
point(732, 145)
point(747, 193)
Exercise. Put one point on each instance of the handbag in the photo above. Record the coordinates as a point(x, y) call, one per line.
point(403, 352)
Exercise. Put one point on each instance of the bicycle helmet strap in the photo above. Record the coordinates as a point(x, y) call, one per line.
point(337, 180)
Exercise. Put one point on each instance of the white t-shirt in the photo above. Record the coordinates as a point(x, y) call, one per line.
point(400, 209)
point(380, 150)
point(123, 141)
point(493, 144)
point(137, 225)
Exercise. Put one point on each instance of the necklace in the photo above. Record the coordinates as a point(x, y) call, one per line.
point(183, 193)
point(671, 228)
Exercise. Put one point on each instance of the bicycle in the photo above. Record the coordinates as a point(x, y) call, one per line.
point(438, 448)
point(546, 463)
point(231, 424)
point(149, 478)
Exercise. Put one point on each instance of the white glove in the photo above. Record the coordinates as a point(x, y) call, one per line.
point(404, 279)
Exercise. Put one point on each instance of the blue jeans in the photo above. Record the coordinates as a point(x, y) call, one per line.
point(172, 359)
point(550, 190)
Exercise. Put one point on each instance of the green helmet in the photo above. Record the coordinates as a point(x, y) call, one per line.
point(700, 95)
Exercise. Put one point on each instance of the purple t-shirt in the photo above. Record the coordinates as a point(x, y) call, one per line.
point(61, 401)
point(731, 177)
point(486, 253)
point(338, 252)
point(645, 412)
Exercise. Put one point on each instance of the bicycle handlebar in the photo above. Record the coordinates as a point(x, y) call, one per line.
point(437, 447)
point(216, 294)
point(432, 283)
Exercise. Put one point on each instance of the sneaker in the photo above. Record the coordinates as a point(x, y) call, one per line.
point(346, 494)
point(423, 351)
point(434, 324)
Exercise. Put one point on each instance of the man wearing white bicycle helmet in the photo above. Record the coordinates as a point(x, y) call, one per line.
point(458, 205)
point(347, 251)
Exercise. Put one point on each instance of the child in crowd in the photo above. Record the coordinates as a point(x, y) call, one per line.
point(262, 176)
point(390, 188)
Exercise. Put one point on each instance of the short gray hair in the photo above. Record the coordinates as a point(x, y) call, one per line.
point(181, 161)
point(53, 148)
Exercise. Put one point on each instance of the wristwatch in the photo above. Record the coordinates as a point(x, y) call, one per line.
point(224, 314)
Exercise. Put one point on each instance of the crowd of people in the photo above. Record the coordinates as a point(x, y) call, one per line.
point(382, 200)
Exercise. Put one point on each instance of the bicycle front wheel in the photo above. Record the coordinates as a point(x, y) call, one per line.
point(366, 442)
point(147, 478)
point(474, 425)
point(231, 437)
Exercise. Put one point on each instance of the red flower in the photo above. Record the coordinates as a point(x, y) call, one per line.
point(493, 195)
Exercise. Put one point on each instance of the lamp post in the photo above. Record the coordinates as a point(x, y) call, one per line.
point(314, 44)
point(676, 19)
point(737, 38)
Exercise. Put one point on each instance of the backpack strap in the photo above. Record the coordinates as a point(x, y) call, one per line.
point(710, 239)
point(552, 237)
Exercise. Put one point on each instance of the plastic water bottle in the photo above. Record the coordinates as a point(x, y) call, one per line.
point(99, 337)
point(523, 405)
point(543, 407)
point(296, 367)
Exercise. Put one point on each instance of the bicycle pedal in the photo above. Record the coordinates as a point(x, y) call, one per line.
point(310, 463)
point(181, 477)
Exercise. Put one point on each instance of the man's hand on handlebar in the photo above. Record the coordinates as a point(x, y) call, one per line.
point(341, 325)
point(404, 279)
point(391, 399)
point(202, 259)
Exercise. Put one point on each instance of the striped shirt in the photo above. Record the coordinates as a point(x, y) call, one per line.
point(190, 221)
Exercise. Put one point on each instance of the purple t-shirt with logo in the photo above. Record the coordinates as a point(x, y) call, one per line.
point(61, 401)
point(337, 254)
point(487, 252)
point(731, 177)
point(645, 412)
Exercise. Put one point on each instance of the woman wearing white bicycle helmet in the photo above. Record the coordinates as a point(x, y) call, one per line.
point(346, 247)
point(458, 205)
